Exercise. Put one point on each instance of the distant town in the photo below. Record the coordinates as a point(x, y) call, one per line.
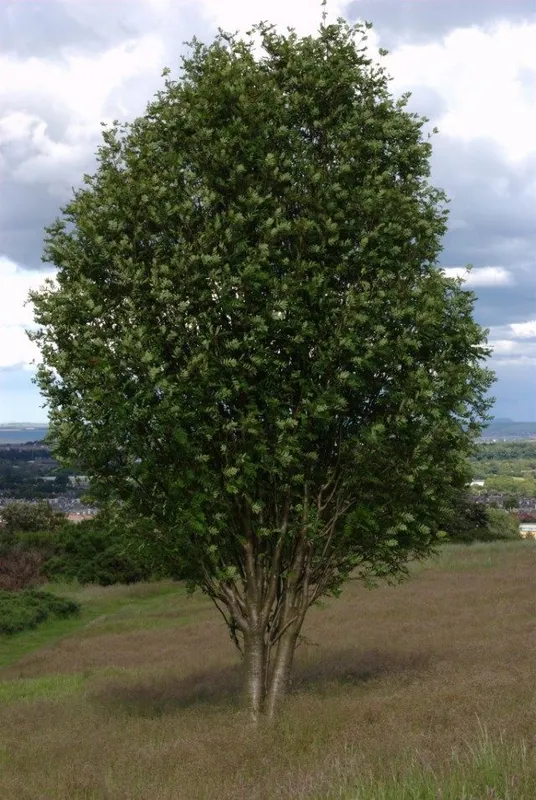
point(29, 472)
point(504, 476)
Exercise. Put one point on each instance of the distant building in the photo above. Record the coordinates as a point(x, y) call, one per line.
point(80, 516)
point(477, 482)
point(528, 530)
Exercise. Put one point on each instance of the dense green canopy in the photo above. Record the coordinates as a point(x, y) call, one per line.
point(249, 343)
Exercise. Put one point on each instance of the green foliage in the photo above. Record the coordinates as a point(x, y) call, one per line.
point(508, 468)
point(472, 521)
point(248, 340)
point(20, 611)
point(505, 451)
point(516, 486)
point(501, 525)
point(93, 551)
point(20, 516)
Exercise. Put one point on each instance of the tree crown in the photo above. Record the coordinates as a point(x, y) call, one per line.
point(249, 339)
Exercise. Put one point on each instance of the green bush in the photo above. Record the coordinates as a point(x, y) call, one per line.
point(501, 525)
point(93, 551)
point(98, 550)
point(475, 522)
point(21, 611)
point(23, 516)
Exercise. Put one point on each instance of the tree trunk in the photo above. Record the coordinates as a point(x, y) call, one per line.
point(254, 672)
point(280, 676)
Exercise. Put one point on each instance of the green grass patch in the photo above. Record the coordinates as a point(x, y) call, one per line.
point(48, 687)
point(113, 609)
point(488, 768)
point(475, 555)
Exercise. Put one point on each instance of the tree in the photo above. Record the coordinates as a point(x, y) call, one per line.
point(467, 520)
point(20, 516)
point(502, 525)
point(248, 344)
point(470, 521)
point(510, 503)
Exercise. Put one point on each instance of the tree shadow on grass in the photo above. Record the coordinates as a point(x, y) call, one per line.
point(160, 695)
point(351, 666)
point(163, 695)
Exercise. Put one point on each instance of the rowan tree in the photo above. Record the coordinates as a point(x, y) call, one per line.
point(249, 345)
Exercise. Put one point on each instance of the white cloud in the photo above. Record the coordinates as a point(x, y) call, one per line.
point(511, 344)
point(508, 346)
point(525, 330)
point(481, 276)
point(479, 74)
point(79, 87)
point(82, 83)
point(513, 351)
point(16, 314)
point(515, 330)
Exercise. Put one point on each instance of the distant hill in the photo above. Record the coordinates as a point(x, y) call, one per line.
point(20, 425)
point(500, 428)
point(508, 429)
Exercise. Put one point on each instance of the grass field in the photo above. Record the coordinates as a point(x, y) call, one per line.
point(424, 691)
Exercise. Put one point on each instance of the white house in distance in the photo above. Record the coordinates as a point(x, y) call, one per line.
point(527, 530)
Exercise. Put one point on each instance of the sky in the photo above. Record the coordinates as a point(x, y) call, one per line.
point(68, 65)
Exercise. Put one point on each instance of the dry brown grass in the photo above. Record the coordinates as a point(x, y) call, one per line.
point(390, 679)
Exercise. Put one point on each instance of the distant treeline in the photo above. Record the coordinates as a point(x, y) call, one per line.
point(508, 470)
point(506, 451)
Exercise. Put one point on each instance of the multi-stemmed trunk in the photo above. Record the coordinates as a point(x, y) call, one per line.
point(266, 682)
point(264, 604)
point(268, 655)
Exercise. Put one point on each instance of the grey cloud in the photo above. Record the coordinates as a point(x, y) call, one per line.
point(427, 102)
point(421, 21)
point(492, 223)
point(52, 28)
point(514, 391)
point(22, 221)
point(36, 188)
point(19, 397)
point(42, 28)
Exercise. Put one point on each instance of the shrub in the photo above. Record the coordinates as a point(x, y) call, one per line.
point(20, 568)
point(476, 522)
point(93, 551)
point(22, 516)
point(21, 611)
point(501, 525)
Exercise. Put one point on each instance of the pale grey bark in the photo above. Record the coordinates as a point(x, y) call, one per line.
point(265, 605)
point(280, 676)
point(255, 672)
